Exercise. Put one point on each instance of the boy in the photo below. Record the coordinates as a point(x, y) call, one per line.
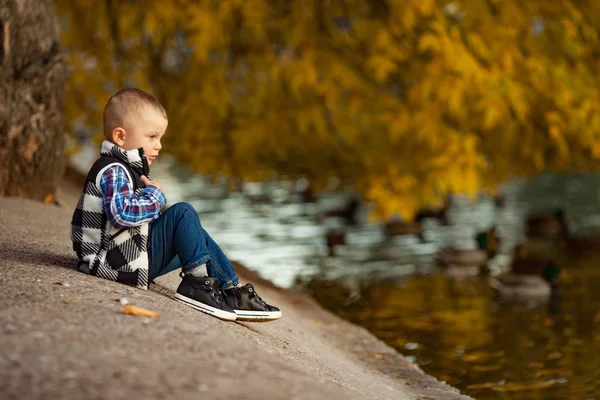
point(120, 234)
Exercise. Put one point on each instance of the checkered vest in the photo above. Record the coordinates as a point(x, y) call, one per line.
point(120, 255)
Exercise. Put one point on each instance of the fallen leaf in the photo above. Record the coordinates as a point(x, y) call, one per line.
point(138, 311)
point(49, 199)
point(378, 356)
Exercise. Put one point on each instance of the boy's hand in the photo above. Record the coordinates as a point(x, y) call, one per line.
point(151, 183)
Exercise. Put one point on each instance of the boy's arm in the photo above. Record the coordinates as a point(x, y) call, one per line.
point(123, 208)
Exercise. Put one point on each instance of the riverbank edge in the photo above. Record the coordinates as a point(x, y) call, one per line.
point(324, 348)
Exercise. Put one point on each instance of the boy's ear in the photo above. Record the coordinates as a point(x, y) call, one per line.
point(118, 136)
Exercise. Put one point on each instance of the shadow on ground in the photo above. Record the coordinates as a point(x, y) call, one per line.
point(38, 256)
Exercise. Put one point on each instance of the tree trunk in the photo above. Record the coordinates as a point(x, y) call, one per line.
point(32, 78)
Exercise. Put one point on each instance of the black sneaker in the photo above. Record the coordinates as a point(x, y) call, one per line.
point(248, 305)
point(203, 294)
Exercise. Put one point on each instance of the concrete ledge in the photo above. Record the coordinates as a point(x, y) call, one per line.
point(63, 335)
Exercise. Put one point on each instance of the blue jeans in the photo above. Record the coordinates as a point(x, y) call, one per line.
point(177, 239)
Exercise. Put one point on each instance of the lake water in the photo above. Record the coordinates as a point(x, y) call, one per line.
point(453, 327)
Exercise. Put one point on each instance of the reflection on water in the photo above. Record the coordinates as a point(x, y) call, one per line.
point(456, 331)
point(452, 327)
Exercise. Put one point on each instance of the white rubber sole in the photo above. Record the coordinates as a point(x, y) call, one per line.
point(205, 308)
point(243, 315)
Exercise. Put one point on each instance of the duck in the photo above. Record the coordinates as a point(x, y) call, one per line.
point(547, 226)
point(348, 212)
point(532, 256)
point(439, 213)
point(528, 286)
point(555, 227)
point(398, 228)
point(487, 247)
point(334, 238)
point(579, 246)
point(306, 194)
point(499, 200)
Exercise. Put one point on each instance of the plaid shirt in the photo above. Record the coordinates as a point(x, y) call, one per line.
point(123, 208)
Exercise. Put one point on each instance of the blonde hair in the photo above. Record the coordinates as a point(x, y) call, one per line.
point(123, 104)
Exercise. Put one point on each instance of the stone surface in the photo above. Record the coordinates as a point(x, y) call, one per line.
point(63, 335)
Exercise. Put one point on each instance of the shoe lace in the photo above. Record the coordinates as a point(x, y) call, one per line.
point(222, 294)
point(215, 292)
point(217, 295)
point(256, 297)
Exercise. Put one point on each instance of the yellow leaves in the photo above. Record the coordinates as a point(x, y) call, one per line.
point(596, 150)
point(556, 132)
point(255, 12)
point(425, 7)
point(386, 54)
point(208, 31)
point(399, 124)
point(408, 17)
point(381, 66)
point(589, 34)
point(390, 201)
point(492, 116)
point(404, 183)
point(554, 118)
point(304, 74)
point(463, 166)
point(455, 99)
point(569, 27)
point(478, 46)
point(556, 135)
point(429, 42)
point(518, 102)
point(465, 64)
point(414, 103)
point(508, 62)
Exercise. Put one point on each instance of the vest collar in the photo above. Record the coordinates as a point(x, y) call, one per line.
point(133, 158)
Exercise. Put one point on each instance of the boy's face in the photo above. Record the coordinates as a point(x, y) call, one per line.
point(144, 129)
